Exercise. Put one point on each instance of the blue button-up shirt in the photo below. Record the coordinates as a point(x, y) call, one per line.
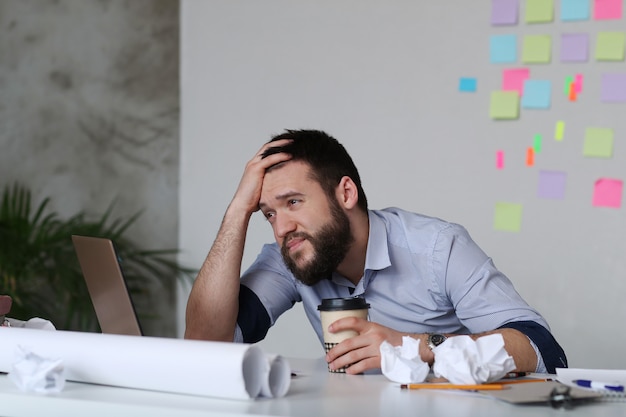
point(422, 274)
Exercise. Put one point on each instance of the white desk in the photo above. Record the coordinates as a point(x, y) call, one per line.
point(314, 393)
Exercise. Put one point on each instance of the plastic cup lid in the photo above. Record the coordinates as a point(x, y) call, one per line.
point(337, 304)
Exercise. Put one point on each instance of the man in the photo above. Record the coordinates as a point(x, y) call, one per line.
point(419, 274)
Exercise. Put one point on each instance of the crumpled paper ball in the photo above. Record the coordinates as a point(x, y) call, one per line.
point(462, 360)
point(33, 373)
point(403, 364)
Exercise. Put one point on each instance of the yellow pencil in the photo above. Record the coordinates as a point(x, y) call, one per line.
point(473, 387)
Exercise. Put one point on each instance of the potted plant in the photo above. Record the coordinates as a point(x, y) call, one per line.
point(40, 271)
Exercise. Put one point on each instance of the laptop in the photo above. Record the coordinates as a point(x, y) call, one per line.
point(106, 285)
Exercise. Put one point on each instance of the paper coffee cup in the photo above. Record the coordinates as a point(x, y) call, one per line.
point(333, 309)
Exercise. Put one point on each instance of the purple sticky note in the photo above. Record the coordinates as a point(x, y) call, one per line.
point(504, 12)
point(613, 88)
point(574, 47)
point(607, 192)
point(552, 184)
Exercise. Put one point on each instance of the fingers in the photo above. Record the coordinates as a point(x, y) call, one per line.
point(249, 190)
point(358, 354)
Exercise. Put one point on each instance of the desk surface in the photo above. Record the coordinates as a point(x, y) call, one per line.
point(313, 393)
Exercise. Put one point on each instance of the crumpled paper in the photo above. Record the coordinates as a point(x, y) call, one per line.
point(403, 364)
point(34, 323)
point(33, 373)
point(462, 360)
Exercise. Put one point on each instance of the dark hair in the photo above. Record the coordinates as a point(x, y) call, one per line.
point(328, 159)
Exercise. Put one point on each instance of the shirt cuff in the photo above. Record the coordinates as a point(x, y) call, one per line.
point(541, 366)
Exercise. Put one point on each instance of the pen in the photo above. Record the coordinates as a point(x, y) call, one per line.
point(598, 385)
point(472, 387)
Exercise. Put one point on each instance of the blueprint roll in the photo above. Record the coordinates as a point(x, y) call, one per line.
point(277, 382)
point(214, 369)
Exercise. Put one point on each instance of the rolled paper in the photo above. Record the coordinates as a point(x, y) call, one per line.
point(213, 369)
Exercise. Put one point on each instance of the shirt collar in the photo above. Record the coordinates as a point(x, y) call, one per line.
point(377, 256)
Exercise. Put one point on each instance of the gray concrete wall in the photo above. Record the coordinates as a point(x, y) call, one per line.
point(89, 112)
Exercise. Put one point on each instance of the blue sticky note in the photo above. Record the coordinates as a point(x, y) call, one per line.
point(575, 10)
point(503, 48)
point(467, 84)
point(537, 94)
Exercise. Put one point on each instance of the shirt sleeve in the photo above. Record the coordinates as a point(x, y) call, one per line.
point(267, 290)
point(483, 298)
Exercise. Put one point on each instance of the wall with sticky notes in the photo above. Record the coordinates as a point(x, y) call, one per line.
point(506, 116)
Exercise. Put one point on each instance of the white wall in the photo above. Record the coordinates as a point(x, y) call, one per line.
point(382, 77)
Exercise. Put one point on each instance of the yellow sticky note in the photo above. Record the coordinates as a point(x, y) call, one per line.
point(504, 105)
point(508, 217)
point(539, 11)
point(610, 46)
point(559, 129)
point(537, 49)
point(598, 142)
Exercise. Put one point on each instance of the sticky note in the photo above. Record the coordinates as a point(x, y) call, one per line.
point(551, 184)
point(467, 84)
point(598, 142)
point(607, 192)
point(559, 130)
point(530, 157)
point(537, 49)
point(575, 10)
point(539, 11)
point(504, 105)
point(607, 9)
point(574, 47)
point(500, 159)
point(537, 94)
point(578, 83)
point(508, 217)
point(504, 12)
point(572, 92)
point(503, 49)
point(613, 88)
point(513, 79)
point(537, 143)
point(610, 46)
point(569, 80)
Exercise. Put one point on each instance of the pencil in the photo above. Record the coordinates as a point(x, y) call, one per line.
point(472, 387)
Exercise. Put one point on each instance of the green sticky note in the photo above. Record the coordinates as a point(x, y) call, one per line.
point(537, 143)
point(504, 105)
point(598, 142)
point(537, 49)
point(566, 87)
point(539, 11)
point(610, 46)
point(508, 217)
point(559, 129)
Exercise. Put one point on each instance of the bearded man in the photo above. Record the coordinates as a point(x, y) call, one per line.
point(422, 276)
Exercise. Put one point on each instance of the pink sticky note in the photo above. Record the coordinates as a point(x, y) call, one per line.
point(607, 9)
point(578, 83)
point(513, 79)
point(607, 192)
point(500, 159)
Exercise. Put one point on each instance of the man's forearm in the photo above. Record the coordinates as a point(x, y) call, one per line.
point(213, 303)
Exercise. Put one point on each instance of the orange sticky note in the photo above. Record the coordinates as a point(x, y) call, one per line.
point(572, 92)
point(530, 156)
point(607, 192)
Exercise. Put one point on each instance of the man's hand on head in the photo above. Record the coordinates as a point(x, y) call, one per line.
point(248, 192)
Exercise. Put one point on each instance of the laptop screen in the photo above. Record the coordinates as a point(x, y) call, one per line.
point(106, 285)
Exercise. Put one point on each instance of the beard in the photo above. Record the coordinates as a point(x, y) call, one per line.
point(330, 246)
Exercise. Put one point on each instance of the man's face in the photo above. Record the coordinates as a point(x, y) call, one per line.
point(313, 232)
